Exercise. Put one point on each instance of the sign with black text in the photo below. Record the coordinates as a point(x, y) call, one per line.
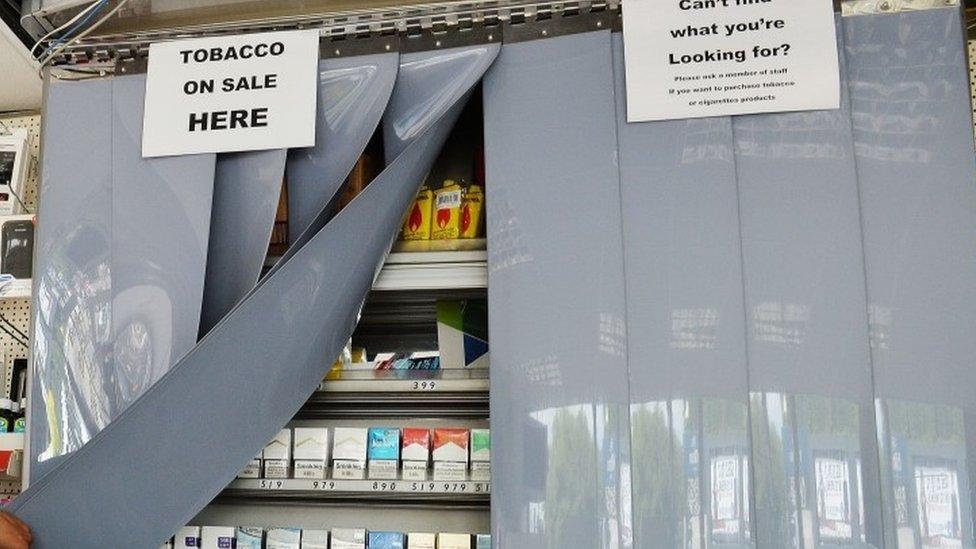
point(698, 58)
point(231, 93)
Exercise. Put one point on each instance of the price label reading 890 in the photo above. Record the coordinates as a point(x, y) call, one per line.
point(384, 487)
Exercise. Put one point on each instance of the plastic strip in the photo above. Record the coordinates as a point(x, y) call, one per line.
point(417, 100)
point(421, 80)
point(161, 229)
point(353, 92)
point(685, 326)
point(247, 186)
point(559, 390)
point(158, 227)
point(247, 377)
point(72, 314)
point(913, 133)
point(811, 390)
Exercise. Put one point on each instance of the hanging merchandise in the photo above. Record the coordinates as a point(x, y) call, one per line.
point(13, 170)
point(17, 247)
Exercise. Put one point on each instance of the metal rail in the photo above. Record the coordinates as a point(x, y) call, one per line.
point(420, 26)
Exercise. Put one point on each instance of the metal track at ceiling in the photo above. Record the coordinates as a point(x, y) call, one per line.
point(419, 26)
point(414, 27)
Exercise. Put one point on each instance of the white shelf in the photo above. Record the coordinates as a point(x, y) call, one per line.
point(407, 381)
point(434, 271)
point(16, 289)
point(442, 270)
point(436, 487)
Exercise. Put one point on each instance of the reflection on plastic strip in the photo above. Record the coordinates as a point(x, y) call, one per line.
point(247, 377)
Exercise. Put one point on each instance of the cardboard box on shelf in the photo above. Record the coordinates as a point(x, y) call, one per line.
point(453, 541)
point(284, 538)
point(188, 536)
point(348, 538)
point(416, 453)
point(462, 333)
point(421, 540)
point(250, 537)
point(277, 455)
point(480, 454)
point(450, 454)
point(315, 539)
point(383, 452)
point(349, 453)
point(218, 537)
point(386, 540)
point(311, 452)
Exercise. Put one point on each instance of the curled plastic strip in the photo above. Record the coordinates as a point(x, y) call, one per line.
point(246, 191)
point(353, 92)
point(247, 378)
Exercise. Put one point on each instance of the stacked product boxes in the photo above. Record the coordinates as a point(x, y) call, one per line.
point(376, 453)
point(253, 537)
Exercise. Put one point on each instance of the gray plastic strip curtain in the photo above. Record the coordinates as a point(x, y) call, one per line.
point(72, 327)
point(799, 298)
point(914, 140)
point(685, 320)
point(134, 308)
point(810, 387)
point(556, 292)
point(246, 193)
point(353, 93)
point(158, 464)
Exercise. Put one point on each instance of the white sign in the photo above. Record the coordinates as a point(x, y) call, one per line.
point(697, 58)
point(231, 93)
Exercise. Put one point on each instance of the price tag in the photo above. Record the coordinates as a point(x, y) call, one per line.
point(326, 485)
point(384, 487)
point(423, 486)
point(424, 385)
point(271, 484)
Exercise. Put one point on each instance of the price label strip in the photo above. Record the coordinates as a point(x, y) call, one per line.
point(367, 486)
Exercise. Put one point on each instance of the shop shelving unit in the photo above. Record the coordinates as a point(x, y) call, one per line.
point(400, 314)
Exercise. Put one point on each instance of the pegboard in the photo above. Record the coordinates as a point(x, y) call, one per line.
point(17, 311)
point(972, 75)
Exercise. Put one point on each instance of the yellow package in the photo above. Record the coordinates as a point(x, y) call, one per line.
point(416, 226)
point(472, 205)
point(447, 212)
